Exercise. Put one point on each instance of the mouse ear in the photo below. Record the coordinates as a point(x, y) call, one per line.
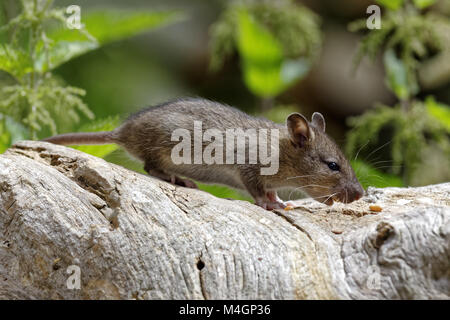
point(319, 121)
point(298, 129)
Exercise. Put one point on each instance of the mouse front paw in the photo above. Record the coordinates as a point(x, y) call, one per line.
point(272, 202)
point(273, 205)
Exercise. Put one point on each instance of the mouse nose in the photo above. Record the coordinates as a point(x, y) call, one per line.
point(355, 192)
point(358, 192)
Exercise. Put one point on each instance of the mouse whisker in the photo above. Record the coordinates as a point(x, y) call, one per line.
point(382, 161)
point(383, 167)
point(309, 175)
point(357, 153)
point(368, 157)
point(302, 187)
point(328, 197)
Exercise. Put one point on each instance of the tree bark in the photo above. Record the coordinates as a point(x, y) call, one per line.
point(65, 214)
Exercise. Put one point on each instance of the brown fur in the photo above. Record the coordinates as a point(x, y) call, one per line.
point(304, 150)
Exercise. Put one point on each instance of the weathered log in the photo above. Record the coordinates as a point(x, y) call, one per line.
point(133, 236)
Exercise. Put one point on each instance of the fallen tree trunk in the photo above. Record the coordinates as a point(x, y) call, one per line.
point(74, 226)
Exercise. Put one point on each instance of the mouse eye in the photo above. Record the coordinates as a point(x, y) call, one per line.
point(333, 166)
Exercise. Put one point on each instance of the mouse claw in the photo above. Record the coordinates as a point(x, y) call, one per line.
point(289, 204)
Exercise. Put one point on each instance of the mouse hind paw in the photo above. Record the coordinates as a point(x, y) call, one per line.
point(183, 182)
point(171, 178)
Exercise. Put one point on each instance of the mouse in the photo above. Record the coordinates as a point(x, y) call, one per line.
point(307, 158)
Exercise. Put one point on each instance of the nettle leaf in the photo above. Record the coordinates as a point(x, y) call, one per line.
point(62, 52)
point(106, 124)
point(422, 4)
point(397, 78)
point(14, 61)
point(391, 4)
point(266, 73)
point(113, 25)
point(99, 28)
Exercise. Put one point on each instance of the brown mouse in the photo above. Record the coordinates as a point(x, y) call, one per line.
point(307, 158)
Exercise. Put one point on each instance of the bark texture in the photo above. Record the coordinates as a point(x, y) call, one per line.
point(133, 236)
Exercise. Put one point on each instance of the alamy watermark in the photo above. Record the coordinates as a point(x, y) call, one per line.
point(232, 146)
point(73, 21)
point(374, 20)
point(74, 279)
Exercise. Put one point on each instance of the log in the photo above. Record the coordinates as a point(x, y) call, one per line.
point(73, 226)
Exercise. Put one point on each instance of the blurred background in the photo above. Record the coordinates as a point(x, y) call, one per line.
point(221, 50)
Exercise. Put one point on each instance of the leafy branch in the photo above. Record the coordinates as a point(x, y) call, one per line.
point(277, 42)
point(38, 42)
point(408, 37)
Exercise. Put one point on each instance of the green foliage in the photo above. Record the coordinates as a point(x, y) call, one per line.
point(279, 113)
point(439, 111)
point(371, 177)
point(277, 43)
point(261, 56)
point(10, 132)
point(412, 128)
point(39, 41)
point(422, 4)
point(224, 192)
point(397, 4)
point(104, 26)
point(391, 4)
point(266, 73)
point(408, 37)
point(15, 62)
point(397, 76)
point(107, 124)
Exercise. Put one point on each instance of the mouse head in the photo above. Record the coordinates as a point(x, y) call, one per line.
point(319, 166)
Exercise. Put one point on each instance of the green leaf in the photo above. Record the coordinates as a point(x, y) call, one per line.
point(62, 52)
point(263, 81)
point(113, 25)
point(422, 4)
point(102, 26)
point(5, 137)
point(391, 4)
point(438, 111)
point(10, 132)
point(371, 177)
point(256, 43)
point(266, 72)
point(397, 78)
point(14, 61)
point(261, 57)
point(100, 151)
point(223, 192)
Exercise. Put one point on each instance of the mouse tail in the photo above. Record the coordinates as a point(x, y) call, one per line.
point(81, 138)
